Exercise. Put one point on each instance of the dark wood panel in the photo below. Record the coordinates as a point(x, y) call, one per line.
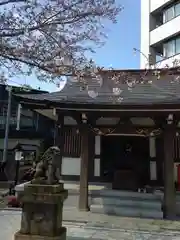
point(72, 142)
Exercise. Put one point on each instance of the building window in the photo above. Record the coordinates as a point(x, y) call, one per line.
point(177, 46)
point(171, 48)
point(168, 14)
point(177, 9)
point(171, 12)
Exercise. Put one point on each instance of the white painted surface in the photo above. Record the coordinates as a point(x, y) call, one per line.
point(165, 31)
point(153, 171)
point(149, 38)
point(71, 166)
point(152, 147)
point(145, 10)
point(97, 167)
point(20, 187)
point(97, 145)
point(155, 4)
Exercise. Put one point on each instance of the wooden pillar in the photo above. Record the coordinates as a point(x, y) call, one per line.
point(169, 184)
point(84, 172)
point(59, 138)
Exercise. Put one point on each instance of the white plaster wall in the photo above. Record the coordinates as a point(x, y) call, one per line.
point(71, 166)
point(164, 31)
point(145, 28)
point(155, 4)
point(97, 167)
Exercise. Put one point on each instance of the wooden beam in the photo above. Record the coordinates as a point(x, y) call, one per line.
point(169, 184)
point(84, 172)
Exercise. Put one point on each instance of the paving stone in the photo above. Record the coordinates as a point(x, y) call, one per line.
point(10, 223)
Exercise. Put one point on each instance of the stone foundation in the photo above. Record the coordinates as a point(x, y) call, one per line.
point(42, 207)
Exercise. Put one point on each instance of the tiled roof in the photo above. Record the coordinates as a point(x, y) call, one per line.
point(159, 92)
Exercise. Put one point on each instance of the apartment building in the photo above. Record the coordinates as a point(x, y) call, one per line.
point(160, 33)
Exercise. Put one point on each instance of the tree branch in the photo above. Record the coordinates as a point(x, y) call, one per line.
point(11, 1)
point(34, 34)
point(26, 62)
point(63, 21)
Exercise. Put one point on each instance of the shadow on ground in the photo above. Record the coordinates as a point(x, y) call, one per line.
point(77, 238)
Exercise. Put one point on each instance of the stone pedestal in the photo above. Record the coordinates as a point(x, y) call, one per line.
point(42, 207)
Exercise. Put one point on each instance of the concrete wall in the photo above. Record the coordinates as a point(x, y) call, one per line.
point(145, 27)
point(156, 4)
point(150, 39)
point(165, 31)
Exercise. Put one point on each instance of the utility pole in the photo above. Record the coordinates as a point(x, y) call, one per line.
point(8, 116)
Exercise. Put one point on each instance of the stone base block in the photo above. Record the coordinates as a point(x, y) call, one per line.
point(20, 236)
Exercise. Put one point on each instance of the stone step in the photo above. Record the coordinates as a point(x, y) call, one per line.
point(134, 203)
point(126, 194)
point(126, 211)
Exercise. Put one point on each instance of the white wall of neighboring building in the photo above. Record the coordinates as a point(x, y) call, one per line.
point(145, 10)
point(156, 4)
point(165, 31)
point(154, 34)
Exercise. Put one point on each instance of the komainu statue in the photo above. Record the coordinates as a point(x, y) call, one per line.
point(48, 168)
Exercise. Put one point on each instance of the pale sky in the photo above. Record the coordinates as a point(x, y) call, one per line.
point(118, 50)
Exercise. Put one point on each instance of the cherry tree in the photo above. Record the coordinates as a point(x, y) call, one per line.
point(51, 38)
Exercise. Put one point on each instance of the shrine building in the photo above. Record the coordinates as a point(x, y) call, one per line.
point(129, 138)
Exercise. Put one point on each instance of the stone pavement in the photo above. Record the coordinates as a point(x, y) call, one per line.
point(91, 226)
